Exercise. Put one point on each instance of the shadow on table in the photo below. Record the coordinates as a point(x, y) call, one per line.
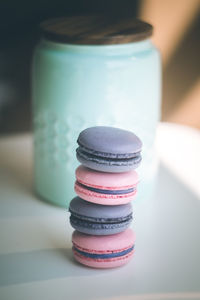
point(38, 265)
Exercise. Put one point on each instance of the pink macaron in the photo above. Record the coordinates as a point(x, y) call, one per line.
point(106, 188)
point(103, 251)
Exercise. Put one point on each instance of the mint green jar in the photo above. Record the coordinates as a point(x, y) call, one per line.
point(79, 81)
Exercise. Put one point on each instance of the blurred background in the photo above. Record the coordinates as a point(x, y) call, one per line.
point(176, 34)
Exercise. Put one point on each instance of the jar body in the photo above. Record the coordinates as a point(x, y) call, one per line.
point(75, 87)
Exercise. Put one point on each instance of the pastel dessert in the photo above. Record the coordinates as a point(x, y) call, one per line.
point(103, 251)
point(98, 219)
point(106, 188)
point(109, 149)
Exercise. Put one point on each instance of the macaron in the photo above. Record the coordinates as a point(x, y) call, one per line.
point(109, 149)
point(103, 251)
point(106, 188)
point(98, 219)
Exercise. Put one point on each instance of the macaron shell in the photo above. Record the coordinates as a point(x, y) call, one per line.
point(107, 166)
point(91, 212)
point(101, 180)
point(103, 244)
point(104, 199)
point(103, 264)
point(109, 141)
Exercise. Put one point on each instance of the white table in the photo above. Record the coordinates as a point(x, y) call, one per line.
point(35, 238)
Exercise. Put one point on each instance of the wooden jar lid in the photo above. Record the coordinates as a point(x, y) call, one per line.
point(95, 30)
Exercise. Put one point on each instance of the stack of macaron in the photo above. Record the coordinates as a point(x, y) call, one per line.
point(106, 183)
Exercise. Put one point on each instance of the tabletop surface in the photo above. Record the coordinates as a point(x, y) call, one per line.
point(35, 237)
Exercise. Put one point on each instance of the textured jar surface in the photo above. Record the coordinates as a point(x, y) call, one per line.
point(75, 87)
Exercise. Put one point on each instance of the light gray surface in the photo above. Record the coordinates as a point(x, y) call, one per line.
point(35, 251)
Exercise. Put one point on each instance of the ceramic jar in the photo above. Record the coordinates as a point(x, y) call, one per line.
point(79, 81)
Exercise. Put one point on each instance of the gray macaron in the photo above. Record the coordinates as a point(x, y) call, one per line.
point(109, 149)
point(98, 219)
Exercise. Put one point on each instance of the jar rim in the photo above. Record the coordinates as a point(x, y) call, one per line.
point(105, 50)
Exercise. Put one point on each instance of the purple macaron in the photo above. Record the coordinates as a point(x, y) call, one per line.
point(98, 219)
point(109, 149)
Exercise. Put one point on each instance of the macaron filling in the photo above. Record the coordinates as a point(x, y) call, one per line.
point(74, 216)
point(106, 191)
point(102, 255)
point(85, 150)
point(122, 160)
point(94, 222)
point(95, 227)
